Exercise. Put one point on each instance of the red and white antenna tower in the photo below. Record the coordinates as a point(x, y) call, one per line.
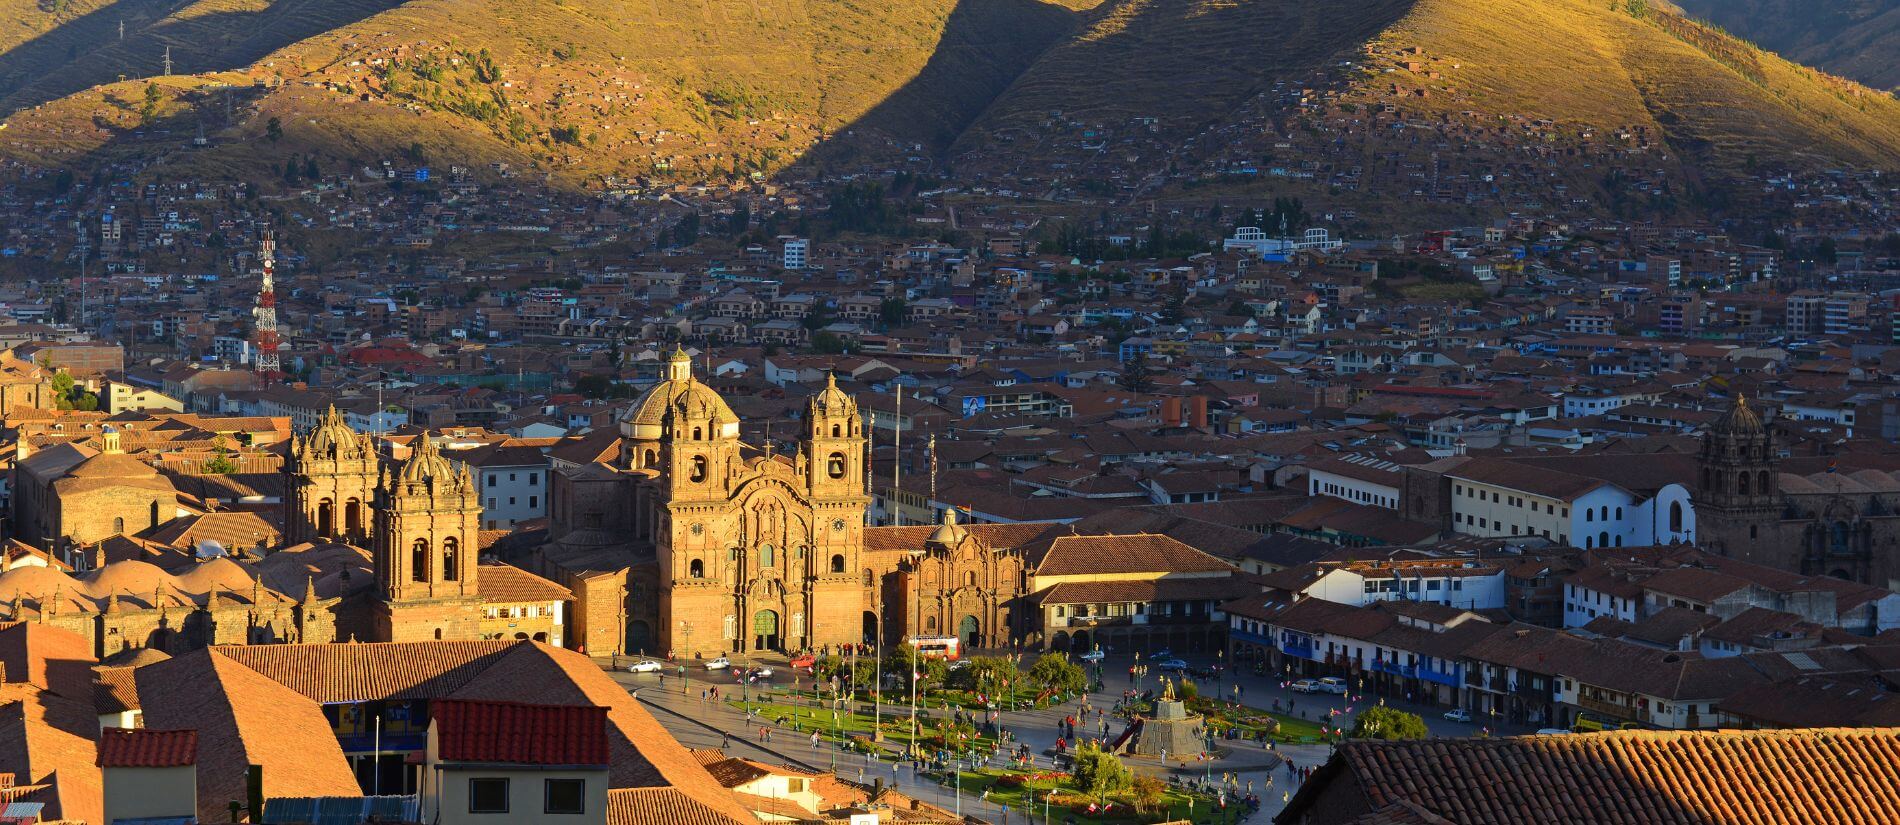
point(264, 331)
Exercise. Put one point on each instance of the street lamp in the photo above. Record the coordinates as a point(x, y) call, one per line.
point(686, 630)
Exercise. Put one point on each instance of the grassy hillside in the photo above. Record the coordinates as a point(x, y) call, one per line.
point(1716, 98)
point(1859, 39)
point(585, 89)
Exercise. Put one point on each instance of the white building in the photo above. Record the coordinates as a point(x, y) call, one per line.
point(513, 483)
point(797, 253)
point(1500, 498)
point(1361, 479)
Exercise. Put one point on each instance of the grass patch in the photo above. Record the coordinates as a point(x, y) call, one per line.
point(1023, 791)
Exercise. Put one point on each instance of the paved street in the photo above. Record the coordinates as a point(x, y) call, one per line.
point(701, 726)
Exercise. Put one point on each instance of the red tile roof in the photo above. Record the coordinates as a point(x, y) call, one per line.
point(129, 748)
point(1767, 777)
point(520, 733)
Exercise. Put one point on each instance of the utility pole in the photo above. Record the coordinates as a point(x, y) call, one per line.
point(168, 61)
point(897, 457)
point(121, 29)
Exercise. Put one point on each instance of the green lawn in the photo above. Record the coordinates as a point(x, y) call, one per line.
point(853, 726)
point(1071, 804)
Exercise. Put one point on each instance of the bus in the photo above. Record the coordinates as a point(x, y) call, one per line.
point(936, 647)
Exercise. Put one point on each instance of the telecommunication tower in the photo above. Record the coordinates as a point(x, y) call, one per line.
point(264, 332)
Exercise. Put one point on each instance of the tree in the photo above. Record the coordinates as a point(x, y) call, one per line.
point(741, 220)
point(1389, 724)
point(1055, 672)
point(274, 130)
point(1099, 772)
point(892, 311)
point(1136, 377)
point(1176, 308)
point(827, 343)
point(1148, 791)
point(686, 232)
point(149, 109)
point(220, 462)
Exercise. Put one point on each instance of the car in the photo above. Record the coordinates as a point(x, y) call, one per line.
point(1164, 653)
point(1457, 715)
point(804, 660)
point(720, 663)
point(1095, 655)
point(646, 666)
point(1333, 684)
point(1171, 665)
point(1305, 686)
point(760, 672)
point(1553, 731)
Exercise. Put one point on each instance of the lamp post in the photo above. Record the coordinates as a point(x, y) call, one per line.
point(686, 631)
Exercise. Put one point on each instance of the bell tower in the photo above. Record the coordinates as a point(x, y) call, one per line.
point(1737, 464)
point(330, 482)
point(834, 477)
point(428, 517)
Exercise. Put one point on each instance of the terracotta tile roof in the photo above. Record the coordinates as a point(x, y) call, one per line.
point(47, 657)
point(520, 733)
point(244, 718)
point(1140, 553)
point(1835, 775)
point(147, 748)
point(1219, 589)
point(114, 690)
point(911, 537)
point(774, 807)
point(646, 806)
point(47, 739)
point(329, 674)
point(507, 584)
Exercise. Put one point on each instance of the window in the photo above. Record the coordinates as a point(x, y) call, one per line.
point(534, 502)
point(698, 472)
point(766, 556)
point(534, 478)
point(419, 561)
point(834, 466)
point(491, 483)
point(1675, 517)
point(566, 796)
point(697, 569)
point(488, 795)
point(118, 526)
point(451, 569)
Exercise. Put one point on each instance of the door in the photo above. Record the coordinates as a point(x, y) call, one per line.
point(967, 633)
point(765, 630)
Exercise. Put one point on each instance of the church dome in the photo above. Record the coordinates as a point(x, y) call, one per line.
point(949, 534)
point(1740, 419)
point(832, 400)
point(332, 436)
point(112, 465)
point(644, 420)
point(426, 464)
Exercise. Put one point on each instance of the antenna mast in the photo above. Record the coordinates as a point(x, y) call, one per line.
point(168, 61)
point(264, 331)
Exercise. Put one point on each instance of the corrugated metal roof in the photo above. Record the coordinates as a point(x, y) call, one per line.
point(341, 810)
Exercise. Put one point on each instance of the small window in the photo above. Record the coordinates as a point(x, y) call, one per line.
point(566, 796)
point(488, 795)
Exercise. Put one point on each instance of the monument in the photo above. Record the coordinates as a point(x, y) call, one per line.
point(1171, 730)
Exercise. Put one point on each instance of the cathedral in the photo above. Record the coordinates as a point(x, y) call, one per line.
point(1835, 515)
point(696, 542)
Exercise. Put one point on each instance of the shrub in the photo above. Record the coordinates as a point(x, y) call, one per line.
point(1390, 724)
point(1098, 772)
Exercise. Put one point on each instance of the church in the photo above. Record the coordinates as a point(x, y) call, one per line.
point(695, 543)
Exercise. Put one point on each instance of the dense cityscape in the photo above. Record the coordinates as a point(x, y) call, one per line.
point(1384, 449)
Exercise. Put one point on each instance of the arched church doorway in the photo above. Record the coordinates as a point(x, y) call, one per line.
point(1079, 642)
point(639, 636)
point(870, 627)
point(326, 523)
point(765, 630)
point(968, 633)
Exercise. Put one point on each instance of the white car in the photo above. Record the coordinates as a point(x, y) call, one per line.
point(1457, 715)
point(1093, 656)
point(760, 672)
point(1305, 686)
point(646, 666)
point(1333, 684)
point(720, 663)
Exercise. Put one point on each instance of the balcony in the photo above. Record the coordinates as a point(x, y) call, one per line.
point(1100, 621)
point(1609, 709)
point(1298, 651)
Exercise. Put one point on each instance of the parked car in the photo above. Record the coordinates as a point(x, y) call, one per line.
point(1333, 684)
point(1457, 715)
point(1553, 731)
point(1164, 653)
point(1305, 686)
point(720, 663)
point(1171, 665)
point(804, 660)
point(646, 666)
point(1095, 655)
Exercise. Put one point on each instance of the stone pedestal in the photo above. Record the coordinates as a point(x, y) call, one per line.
point(1171, 729)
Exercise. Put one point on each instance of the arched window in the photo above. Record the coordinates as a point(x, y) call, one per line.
point(1619, 514)
point(1761, 482)
point(835, 431)
point(699, 469)
point(837, 566)
point(869, 577)
point(451, 559)
point(1675, 517)
point(353, 517)
point(325, 518)
point(1603, 539)
point(419, 561)
point(1589, 515)
point(1619, 541)
point(118, 526)
point(766, 557)
point(155, 515)
point(1588, 542)
point(930, 623)
point(652, 459)
point(834, 466)
point(1741, 483)
point(697, 569)
point(732, 554)
point(969, 579)
point(696, 434)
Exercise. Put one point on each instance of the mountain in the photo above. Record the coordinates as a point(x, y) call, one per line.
point(1859, 39)
point(589, 92)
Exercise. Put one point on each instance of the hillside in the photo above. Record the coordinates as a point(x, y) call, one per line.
point(1859, 39)
point(1124, 93)
point(583, 89)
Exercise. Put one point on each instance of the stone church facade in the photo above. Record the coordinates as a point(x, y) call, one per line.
point(1835, 515)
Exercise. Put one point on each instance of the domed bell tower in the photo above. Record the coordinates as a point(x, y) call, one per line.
point(330, 482)
point(428, 521)
point(834, 478)
point(1737, 464)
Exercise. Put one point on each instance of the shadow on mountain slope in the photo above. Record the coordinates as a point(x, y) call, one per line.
point(71, 58)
